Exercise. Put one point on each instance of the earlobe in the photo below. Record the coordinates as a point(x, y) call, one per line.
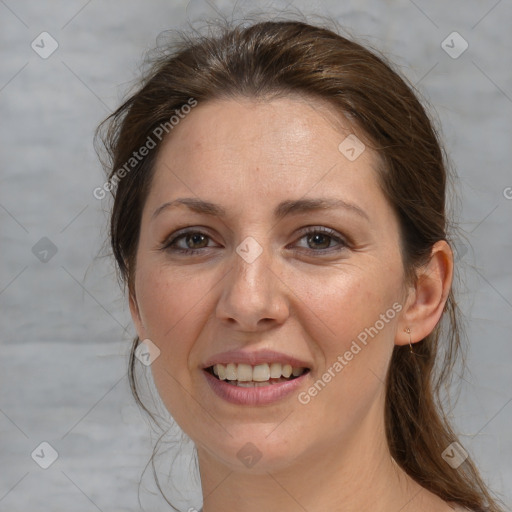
point(429, 296)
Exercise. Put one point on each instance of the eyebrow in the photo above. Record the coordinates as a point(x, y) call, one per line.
point(285, 208)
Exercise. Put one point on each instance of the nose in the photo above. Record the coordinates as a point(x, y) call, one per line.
point(253, 297)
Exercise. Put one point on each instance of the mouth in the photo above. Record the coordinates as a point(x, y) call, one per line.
point(260, 375)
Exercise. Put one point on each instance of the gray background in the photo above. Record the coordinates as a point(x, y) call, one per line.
point(65, 328)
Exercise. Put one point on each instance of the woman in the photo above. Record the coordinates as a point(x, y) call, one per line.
point(279, 220)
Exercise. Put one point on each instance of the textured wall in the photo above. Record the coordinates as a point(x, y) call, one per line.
point(65, 328)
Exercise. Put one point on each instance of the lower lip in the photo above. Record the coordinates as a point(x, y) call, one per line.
point(261, 395)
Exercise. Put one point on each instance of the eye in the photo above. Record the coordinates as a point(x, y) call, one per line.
point(322, 239)
point(188, 242)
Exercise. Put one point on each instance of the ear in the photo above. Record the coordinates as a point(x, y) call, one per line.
point(136, 317)
point(427, 298)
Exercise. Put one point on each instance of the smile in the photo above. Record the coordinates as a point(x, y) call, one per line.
point(265, 374)
point(253, 392)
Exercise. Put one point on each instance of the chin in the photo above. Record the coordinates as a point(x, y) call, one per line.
point(254, 450)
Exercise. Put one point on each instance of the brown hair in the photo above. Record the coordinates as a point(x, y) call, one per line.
point(267, 59)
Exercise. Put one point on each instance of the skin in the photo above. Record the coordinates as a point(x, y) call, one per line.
point(308, 297)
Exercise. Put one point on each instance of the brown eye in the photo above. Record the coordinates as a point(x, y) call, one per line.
point(188, 242)
point(322, 240)
point(319, 241)
point(196, 240)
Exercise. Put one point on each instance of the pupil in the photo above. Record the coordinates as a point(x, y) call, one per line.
point(321, 241)
point(196, 238)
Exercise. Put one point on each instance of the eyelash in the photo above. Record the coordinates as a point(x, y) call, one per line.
point(169, 244)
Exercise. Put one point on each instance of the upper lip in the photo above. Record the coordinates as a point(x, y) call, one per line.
point(255, 357)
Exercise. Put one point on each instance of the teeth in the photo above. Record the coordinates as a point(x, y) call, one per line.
point(275, 370)
point(244, 373)
point(251, 384)
point(221, 371)
point(249, 376)
point(261, 372)
point(231, 371)
point(296, 371)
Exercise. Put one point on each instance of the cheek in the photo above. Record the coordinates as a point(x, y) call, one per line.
point(351, 319)
point(166, 294)
point(344, 394)
point(173, 307)
point(343, 304)
point(172, 303)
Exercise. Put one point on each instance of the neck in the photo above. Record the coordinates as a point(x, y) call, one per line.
point(354, 474)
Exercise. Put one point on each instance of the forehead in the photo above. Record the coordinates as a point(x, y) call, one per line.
point(279, 128)
point(242, 149)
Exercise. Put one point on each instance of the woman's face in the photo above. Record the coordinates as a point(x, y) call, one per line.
point(276, 246)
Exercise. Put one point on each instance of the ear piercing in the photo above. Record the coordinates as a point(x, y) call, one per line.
point(408, 331)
